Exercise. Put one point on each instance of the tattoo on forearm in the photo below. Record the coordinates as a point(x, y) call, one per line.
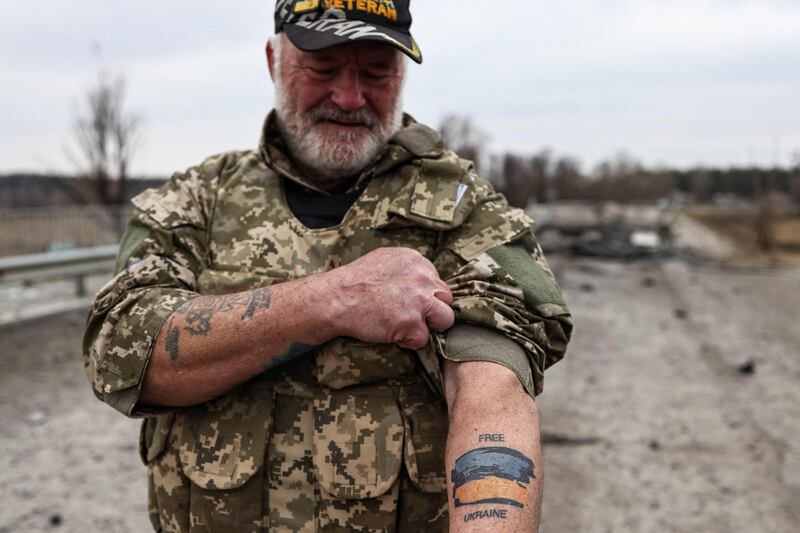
point(171, 342)
point(496, 475)
point(198, 314)
point(198, 322)
point(295, 350)
point(486, 513)
point(215, 304)
point(259, 300)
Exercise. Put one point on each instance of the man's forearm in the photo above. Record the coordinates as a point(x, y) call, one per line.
point(212, 343)
point(493, 458)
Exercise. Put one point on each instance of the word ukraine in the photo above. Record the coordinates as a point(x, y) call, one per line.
point(489, 513)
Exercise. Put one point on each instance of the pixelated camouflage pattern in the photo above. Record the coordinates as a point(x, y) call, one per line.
point(358, 442)
point(293, 493)
point(177, 504)
point(420, 511)
point(364, 515)
point(224, 441)
point(344, 362)
point(169, 493)
point(425, 438)
point(350, 437)
point(543, 328)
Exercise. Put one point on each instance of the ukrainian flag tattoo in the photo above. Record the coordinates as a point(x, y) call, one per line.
point(492, 475)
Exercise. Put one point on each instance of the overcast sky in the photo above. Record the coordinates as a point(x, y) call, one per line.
point(674, 82)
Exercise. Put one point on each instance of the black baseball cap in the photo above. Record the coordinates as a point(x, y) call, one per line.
point(318, 24)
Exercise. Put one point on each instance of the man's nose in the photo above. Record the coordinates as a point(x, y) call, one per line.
point(348, 92)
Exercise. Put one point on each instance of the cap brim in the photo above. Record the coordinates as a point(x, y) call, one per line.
point(312, 40)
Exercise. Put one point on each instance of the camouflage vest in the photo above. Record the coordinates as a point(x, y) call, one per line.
point(377, 408)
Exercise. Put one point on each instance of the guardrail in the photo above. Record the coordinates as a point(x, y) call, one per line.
point(49, 266)
point(75, 264)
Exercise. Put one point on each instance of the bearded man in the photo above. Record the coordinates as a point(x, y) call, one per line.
point(343, 330)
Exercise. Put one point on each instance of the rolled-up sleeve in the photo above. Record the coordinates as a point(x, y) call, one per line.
point(161, 256)
point(502, 285)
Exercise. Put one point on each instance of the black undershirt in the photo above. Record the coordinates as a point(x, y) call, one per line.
point(317, 210)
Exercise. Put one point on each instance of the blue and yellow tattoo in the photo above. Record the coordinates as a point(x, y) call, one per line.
point(492, 476)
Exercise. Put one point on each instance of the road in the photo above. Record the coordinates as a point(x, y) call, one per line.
point(677, 409)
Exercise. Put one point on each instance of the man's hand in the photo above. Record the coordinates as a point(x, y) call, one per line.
point(391, 295)
point(212, 343)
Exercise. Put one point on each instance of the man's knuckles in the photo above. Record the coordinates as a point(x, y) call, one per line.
point(414, 339)
point(440, 316)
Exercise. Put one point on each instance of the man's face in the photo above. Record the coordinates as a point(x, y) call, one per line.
point(338, 107)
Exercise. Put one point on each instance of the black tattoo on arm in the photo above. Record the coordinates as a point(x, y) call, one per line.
point(171, 342)
point(491, 476)
point(198, 322)
point(486, 513)
point(216, 304)
point(198, 315)
point(295, 350)
point(199, 312)
point(259, 300)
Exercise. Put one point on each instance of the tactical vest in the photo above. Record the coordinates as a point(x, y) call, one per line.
point(378, 409)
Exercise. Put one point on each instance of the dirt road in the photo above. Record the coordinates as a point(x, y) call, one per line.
point(676, 409)
point(678, 406)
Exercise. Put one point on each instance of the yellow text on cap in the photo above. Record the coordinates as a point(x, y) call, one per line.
point(307, 5)
point(384, 8)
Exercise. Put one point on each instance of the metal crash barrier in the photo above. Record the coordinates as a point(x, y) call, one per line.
point(76, 264)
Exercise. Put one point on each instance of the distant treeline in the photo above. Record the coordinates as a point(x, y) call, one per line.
point(540, 178)
point(544, 176)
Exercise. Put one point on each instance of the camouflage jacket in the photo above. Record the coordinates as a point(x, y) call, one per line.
point(224, 226)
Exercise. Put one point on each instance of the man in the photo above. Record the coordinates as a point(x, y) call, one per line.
point(341, 331)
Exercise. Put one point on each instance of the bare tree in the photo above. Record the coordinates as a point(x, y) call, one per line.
point(568, 182)
point(701, 185)
point(106, 137)
point(466, 139)
point(541, 176)
point(794, 184)
point(765, 212)
point(518, 184)
point(623, 179)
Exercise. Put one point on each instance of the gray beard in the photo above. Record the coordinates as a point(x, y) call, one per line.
point(330, 157)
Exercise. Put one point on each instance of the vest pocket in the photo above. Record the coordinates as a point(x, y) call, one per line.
point(154, 435)
point(206, 463)
point(425, 419)
point(358, 443)
point(222, 443)
point(343, 362)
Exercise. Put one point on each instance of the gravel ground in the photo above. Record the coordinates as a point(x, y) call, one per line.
point(677, 408)
point(70, 463)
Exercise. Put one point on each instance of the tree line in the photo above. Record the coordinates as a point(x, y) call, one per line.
point(544, 176)
point(106, 136)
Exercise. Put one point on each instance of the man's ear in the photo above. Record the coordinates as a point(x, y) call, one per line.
point(271, 59)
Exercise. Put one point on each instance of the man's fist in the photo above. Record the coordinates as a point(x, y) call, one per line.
point(390, 295)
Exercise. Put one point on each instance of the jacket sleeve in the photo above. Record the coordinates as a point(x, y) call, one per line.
point(503, 291)
point(160, 258)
